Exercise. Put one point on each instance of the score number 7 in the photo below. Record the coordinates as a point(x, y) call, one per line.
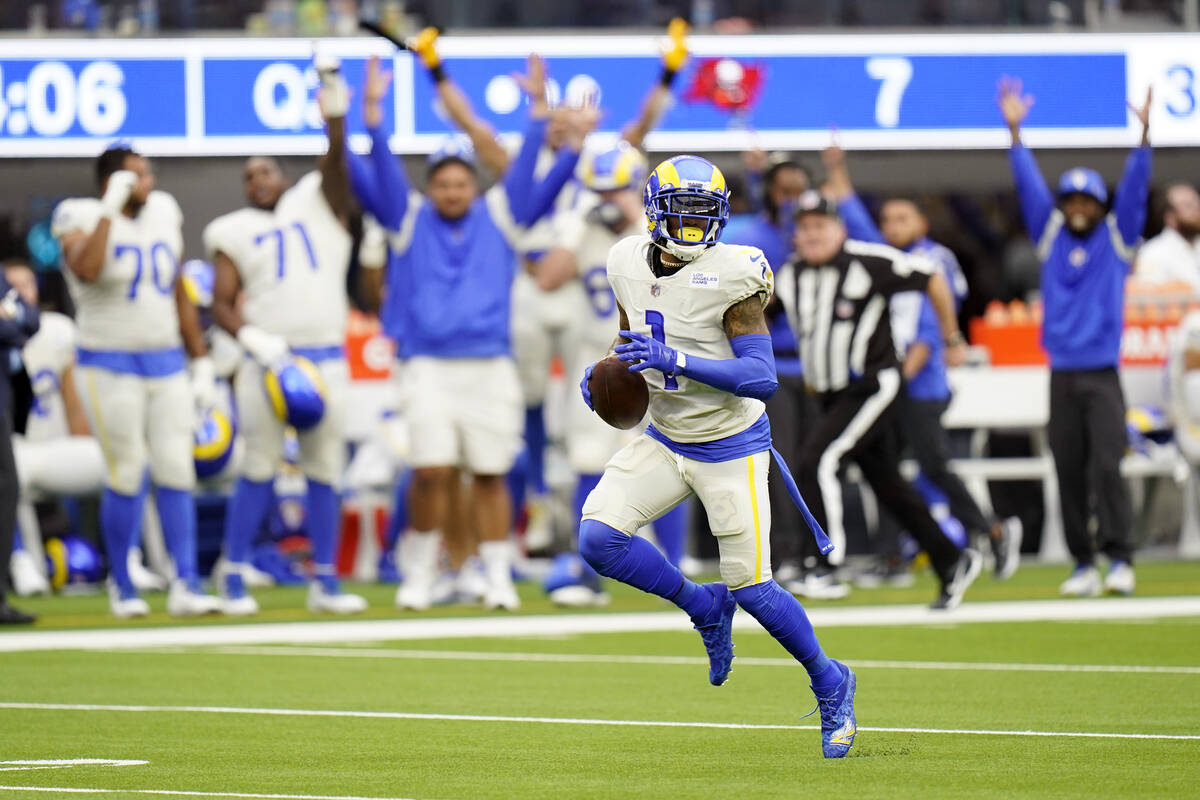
point(894, 74)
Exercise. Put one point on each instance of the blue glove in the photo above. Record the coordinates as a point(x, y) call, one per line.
point(652, 353)
point(583, 386)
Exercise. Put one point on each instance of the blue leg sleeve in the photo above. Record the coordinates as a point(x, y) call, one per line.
point(177, 511)
point(535, 446)
point(671, 532)
point(784, 618)
point(244, 516)
point(120, 516)
point(323, 532)
point(633, 560)
point(583, 487)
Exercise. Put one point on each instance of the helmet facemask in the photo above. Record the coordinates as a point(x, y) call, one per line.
point(690, 222)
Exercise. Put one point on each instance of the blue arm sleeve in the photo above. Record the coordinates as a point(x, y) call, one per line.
point(1130, 199)
point(1032, 191)
point(858, 220)
point(362, 183)
point(391, 184)
point(518, 181)
point(750, 374)
point(544, 193)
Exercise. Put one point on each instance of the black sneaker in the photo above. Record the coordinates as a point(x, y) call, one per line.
point(13, 616)
point(955, 585)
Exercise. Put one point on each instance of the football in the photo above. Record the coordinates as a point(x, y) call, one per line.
point(619, 396)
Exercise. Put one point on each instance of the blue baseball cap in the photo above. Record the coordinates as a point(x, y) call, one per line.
point(1081, 180)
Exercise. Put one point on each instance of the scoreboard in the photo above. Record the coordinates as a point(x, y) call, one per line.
point(184, 97)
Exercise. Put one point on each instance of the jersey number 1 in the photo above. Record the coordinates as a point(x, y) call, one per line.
point(655, 320)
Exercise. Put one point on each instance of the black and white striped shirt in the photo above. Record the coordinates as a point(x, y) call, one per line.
point(839, 310)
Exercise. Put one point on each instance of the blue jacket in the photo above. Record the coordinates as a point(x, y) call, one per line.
point(1083, 277)
point(776, 243)
point(930, 383)
point(449, 282)
point(15, 331)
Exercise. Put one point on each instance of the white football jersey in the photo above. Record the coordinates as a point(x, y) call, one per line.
point(131, 305)
point(46, 356)
point(590, 242)
point(292, 262)
point(686, 310)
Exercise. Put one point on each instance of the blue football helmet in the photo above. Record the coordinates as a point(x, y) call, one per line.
point(1081, 180)
point(686, 194)
point(198, 278)
point(212, 444)
point(619, 167)
point(297, 392)
point(73, 560)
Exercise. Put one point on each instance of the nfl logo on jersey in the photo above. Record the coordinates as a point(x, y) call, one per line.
point(655, 290)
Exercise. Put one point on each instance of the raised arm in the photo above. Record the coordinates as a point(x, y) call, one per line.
point(458, 107)
point(1129, 201)
point(528, 199)
point(84, 253)
point(383, 188)
point(333, 98)
point(854, 214)
point(658, 99)
point(1034, 195)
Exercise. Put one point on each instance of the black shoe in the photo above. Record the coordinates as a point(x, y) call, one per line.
point(13, 616)
point(955, 585)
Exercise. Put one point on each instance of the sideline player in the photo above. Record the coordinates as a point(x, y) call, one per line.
point(122, 253)
point(450, 270)
point(691, 313)
point(542, 317)
point(926, 397)
point(288, 253)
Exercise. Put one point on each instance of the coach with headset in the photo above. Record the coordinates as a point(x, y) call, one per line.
point(1086, 255)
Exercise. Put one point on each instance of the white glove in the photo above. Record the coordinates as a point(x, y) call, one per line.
point(116, 194)
point(10, 306)
point(204, 382)
point(334, 94)
point(265, 348)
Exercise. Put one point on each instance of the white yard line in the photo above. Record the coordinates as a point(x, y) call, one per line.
point(570, 624)
point(181, 793)
point(690, 661)
point(621, 723)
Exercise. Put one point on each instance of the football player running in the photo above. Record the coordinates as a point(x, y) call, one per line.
point(608, 212)
point(288, 253)
point(691, 314)
point(122, 253)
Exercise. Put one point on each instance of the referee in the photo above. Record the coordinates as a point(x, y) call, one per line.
point(839, 309)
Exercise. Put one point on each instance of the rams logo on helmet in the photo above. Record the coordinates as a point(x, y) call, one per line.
point(296, 392)
point(687, 205)
point(212, 444)
point(619, 167)
point(73, 560)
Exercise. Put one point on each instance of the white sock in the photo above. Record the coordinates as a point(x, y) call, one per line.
point(419, 555)
point(497, 560)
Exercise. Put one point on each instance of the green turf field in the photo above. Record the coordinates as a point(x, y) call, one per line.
point(588, 715)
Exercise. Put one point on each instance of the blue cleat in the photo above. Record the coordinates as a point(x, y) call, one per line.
point(837, 716)
point(716, 629)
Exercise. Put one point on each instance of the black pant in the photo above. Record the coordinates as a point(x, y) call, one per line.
point(854, 427)
point(9, 489)
point(921, 423)
point(1088, 439)
point(791, 410)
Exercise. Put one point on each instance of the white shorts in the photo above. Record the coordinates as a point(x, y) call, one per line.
point(139, 420)
point(322, 448)
point(464, 412)
point(64, 465)
point(646, 480)
point(539, 324)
